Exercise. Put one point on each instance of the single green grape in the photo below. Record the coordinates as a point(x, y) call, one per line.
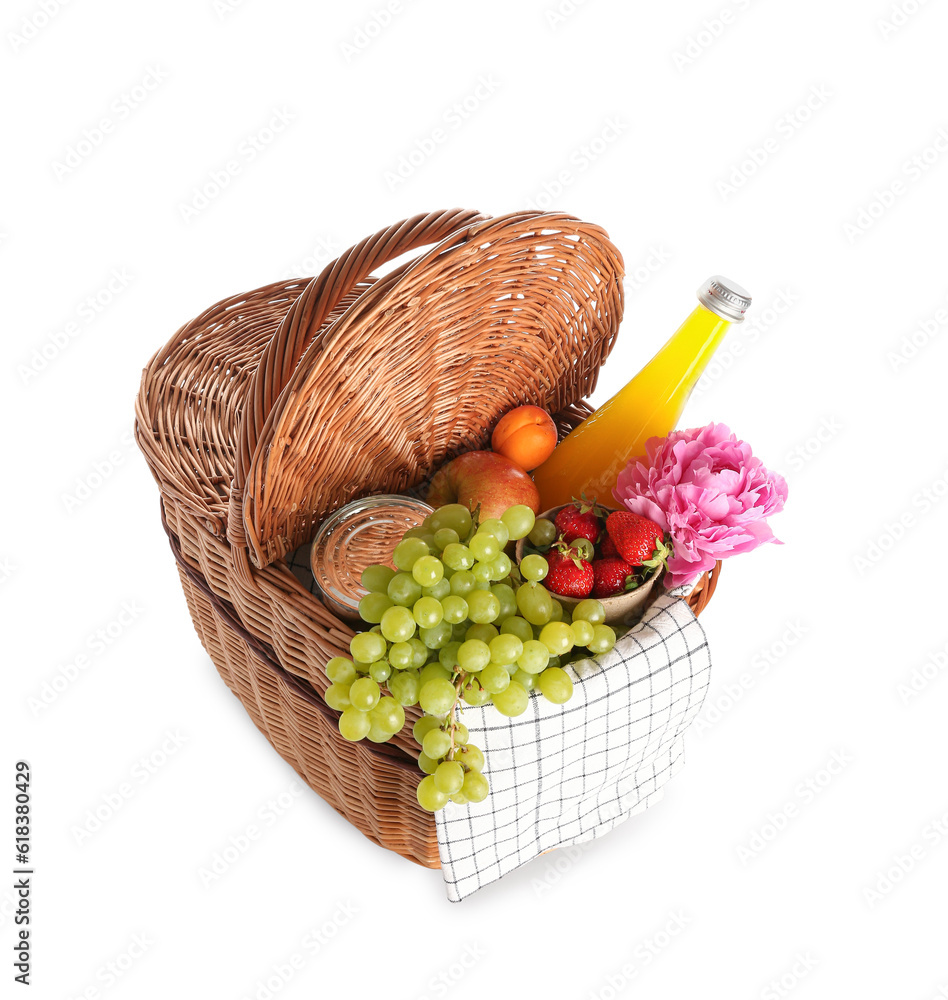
point(341, 670)
point(424, 726)
point(449, 777)
point(584, 548)
point(408, 551)
point(475, 786)
point(557, 614)
point(485, 547)
point(448, 655)
point(426, 764)
point(508, 600)
point(404, 590)
point(367, 647)
point(604, 638)
point(388, 715)
point(438, 590)
point(373, 606)
point(427, 571)
point(534, 658)
point(519, 521)
point(436, 743)
point(482, 572)
point(457, 557)
point(482, 606)
point(427, 612)
point(589, 610)
point(527, 681)
point(436, 637)
point(474, 694)
point(354, 725)
point(543, 533)
point(557, 637)
point(463, 583)
point(376, 578)
point(485, 632)
point(473, 655)
point(496, 527)
point(520, 627)
point(500, 567)
point(513, 700)
point(339, 696)
point(534, 567)
point(380, 671)
point(472, 757)
point(460, 733)
point(398, 625)
point(405, 687)
point(555, 685)
point(364, 694)
point(505, 648)
point(445, 537)
point(582, 632)
point(430, 797)
point(433, 670)
point(454, 609)
point(494, 679)
point(453, 515)
point(401, 655)
point(436, 697)
point(419, 653)
point(535, 603)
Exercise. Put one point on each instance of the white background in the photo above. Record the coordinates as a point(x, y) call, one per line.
point(847, 611)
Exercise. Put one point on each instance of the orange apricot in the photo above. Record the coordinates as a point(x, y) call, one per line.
point(526, 435)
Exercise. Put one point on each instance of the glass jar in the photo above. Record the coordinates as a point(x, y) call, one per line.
point(357, 535)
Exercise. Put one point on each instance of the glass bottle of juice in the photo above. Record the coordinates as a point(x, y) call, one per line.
point(590, 458)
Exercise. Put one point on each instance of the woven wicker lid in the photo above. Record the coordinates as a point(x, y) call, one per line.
point(406, 377)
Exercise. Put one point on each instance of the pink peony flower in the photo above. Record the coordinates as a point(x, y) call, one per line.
point(708, 491)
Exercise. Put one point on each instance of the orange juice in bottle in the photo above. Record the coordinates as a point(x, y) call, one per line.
point(590, 458)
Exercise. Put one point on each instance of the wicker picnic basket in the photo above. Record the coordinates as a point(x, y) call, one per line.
point(273, 408)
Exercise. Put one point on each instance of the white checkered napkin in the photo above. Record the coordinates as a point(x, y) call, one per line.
point(565, 774)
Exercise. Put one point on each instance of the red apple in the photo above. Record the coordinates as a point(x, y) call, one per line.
point(485, 478)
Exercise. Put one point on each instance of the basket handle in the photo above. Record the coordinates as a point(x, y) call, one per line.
point(308, 313)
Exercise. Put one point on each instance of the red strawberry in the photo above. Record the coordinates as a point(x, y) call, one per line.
point(639, 540)
point(569, 575)
point(578, 520)
point(607, 546)
point(612, 576)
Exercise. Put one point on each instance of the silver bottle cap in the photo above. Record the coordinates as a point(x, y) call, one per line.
point(724, 297)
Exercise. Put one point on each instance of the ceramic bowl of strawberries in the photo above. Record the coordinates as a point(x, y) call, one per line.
point(614, 556)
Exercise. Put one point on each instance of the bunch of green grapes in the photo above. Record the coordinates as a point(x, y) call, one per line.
point(456, 623)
